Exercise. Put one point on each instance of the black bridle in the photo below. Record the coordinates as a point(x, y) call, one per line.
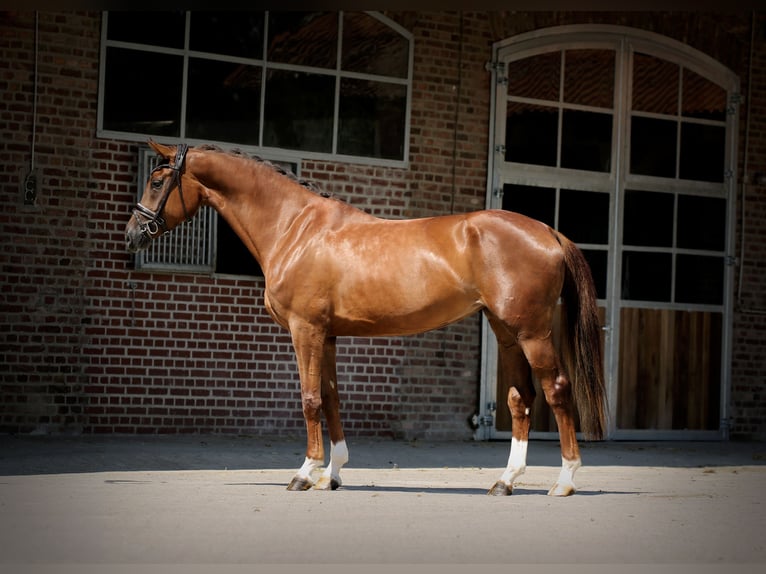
point(150, 222)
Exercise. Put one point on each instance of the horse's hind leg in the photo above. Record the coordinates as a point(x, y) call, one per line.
point(547, 368)
point(521, 395)
point(330, 478)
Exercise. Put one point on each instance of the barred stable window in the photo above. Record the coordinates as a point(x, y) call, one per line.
point(323, 85)
point(206, 244)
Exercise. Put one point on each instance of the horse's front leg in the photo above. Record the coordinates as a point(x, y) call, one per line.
point(330, 478)
point(309, 346)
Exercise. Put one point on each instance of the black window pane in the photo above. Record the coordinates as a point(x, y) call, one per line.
point(531, 134)
point(535, 202)
point(702, 98)
point(372, 119)
point(646, 276)
point(589, 77)
point(586, 141)
point(299, 111)
point(231, 33)
point(699, 279)
point(597, 260)
point(231, 254)
point(584, 216)
point(701, 222)
point(131, 105)
point(648, 219)
point(372, 47)
point(303, 38)
point(223, 101)
point(154, 28)
point(655, 85)
point(702, 152)
point(536, 77)
point(653, 147)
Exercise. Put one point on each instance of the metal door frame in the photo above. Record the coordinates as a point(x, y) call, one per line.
point(625, 41)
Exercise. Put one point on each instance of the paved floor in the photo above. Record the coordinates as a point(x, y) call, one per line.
point(212, 499)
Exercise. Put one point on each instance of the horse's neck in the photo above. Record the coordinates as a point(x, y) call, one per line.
point(256, 201)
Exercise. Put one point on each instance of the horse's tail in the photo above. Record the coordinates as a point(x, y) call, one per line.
point(583, 354)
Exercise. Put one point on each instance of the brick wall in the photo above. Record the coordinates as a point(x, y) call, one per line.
point(87, 343)
point(45, 248)
point(91, 344)
point(749, 355)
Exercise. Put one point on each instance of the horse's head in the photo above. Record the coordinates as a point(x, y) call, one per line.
point(166, 202)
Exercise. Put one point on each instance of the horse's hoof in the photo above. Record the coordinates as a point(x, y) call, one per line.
point(326, 483)
point(299, 483)
point(500, 489)
point(561, 490)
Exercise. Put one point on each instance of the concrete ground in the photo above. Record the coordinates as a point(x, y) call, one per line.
point(94, 500)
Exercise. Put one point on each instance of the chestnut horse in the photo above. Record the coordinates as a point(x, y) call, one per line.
point(333, 270)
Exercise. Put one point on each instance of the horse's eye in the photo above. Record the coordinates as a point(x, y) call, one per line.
point(156, 184)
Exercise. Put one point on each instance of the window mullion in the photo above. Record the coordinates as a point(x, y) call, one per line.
point(679, 112)
point(185, 77)
point(674, 250)
point(336, 108)
point(560, 127)
point(264, 76)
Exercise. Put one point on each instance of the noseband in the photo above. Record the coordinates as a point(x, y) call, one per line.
point(150, 222)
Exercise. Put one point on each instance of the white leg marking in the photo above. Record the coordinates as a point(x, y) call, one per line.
point(309, 466)
point(338, 457)
point(565, 484)
point(517, 461)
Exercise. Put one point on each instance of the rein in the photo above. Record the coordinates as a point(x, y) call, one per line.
point(151, 221)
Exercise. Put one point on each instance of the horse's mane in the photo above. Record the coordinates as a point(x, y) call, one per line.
point(308, 184)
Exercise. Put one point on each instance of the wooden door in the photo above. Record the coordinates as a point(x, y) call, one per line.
point(669, 369)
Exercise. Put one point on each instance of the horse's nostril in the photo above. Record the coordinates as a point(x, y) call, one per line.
point(131, 243)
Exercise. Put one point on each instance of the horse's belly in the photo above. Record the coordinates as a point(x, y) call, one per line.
point(383, 313)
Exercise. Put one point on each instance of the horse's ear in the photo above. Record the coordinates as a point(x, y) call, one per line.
point(165, 151)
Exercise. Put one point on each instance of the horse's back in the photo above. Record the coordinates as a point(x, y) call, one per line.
point(434, 271)
point(370, 276)
point(512, 227)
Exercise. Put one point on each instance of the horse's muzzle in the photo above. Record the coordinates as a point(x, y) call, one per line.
point(137, 239)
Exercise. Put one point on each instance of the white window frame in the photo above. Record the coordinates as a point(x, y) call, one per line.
point(288, 154)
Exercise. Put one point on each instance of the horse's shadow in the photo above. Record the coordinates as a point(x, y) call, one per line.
point(519, 491)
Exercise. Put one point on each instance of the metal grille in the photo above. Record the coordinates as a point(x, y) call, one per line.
point(189, 247)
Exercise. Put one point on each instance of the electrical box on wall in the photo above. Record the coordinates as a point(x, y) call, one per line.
point(30, 186)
